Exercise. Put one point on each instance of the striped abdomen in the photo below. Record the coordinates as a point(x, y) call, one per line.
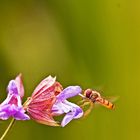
point(106, 103)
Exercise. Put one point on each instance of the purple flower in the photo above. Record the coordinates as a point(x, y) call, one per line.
point(62, 106)
point(49, 100)
point(12, 105)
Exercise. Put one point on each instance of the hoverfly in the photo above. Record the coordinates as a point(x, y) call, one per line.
point(91, 97)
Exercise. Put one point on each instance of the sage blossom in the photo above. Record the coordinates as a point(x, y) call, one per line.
point(12, 105)
point(62, 106)
point(49, 100)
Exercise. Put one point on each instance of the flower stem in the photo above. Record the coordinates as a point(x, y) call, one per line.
point(8, 129)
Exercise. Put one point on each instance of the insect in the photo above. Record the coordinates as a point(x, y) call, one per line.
point(91, 97)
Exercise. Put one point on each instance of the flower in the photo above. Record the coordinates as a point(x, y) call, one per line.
point(49, 100)
point(40, 103)
point(12, 105)
point(62, 106)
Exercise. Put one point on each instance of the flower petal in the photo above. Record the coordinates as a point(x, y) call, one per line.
point(20, 86)
point(20, 115)
point(75, 113)
point(4, 116)
point(39, 105)
point(8, 110)
point(12, 105)
point(68, 117)
point(72, 111)
point(43, 85)
point(4, 112)
point(60, 108)
point(79, 111)
point(43, 117)
point(12, 99)
point(69, 92)
point(12, 88)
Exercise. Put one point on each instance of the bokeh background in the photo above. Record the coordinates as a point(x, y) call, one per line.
point(93, 43)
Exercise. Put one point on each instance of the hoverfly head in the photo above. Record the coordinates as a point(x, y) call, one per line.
point(87, 93)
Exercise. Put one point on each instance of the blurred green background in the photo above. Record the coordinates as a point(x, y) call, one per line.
point(91, 43)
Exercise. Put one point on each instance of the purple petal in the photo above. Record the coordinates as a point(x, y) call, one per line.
point(60, 108)
point(74, 107)
point(69, 92)
point(16, 86)
point(12, 106)
point(75, 113)
point(79, 113)
point(72, 111)
point(12, 99)
point(11, 110)
point(68, 117)
point(6, 111)
point(4, 116)
point(12, 88)
point(20, 115)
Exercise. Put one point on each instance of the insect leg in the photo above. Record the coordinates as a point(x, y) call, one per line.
point(81, 101)
point(85, 104)
point(89, 109)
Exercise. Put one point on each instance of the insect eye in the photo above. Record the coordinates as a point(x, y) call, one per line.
point(88, 92)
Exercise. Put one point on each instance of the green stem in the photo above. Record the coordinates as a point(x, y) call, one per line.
point(8, 129)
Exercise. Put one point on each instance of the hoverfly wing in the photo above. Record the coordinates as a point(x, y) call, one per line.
point(112, 98)
point(107, 102)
